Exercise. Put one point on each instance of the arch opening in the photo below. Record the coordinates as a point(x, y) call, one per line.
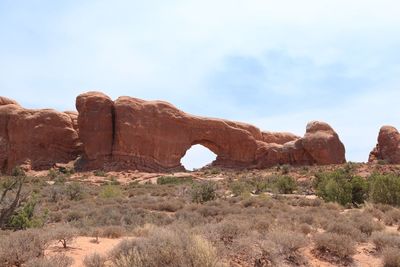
point(197, 157)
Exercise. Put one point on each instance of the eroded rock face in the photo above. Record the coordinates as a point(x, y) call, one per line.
point(155, 135)
point(320, 145)
point(388, 147)
point(38, 138)
point(323, 144)
point(278, 138)
point(95, 123)
point(6, 101)
point(133, 134)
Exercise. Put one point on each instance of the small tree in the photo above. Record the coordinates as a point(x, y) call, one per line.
point(203, 192)
point(11, 197)
point(65, 235)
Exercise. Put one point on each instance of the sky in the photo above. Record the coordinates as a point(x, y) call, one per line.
point(275, 64)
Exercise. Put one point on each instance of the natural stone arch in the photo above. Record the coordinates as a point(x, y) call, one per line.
point(201, 154)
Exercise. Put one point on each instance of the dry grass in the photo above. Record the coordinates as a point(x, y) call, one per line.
point(168, 220)
point(335, 247)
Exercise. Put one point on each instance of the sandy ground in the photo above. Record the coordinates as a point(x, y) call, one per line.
point(83, 246)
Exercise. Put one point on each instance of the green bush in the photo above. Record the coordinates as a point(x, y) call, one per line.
point(285, 184)
point(18, 172)
point(341, 186)
point(110, 191)
point(24, 218)
point(174, 180)
point(239, 187)
point(385, 189)
point(74, 191)
point(203, 192)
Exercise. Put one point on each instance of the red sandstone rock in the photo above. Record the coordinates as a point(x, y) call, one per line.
point(95, 123)
point(150, 136)
point(320, 145)
point(74, 118)
point(278, 137)
point(6, 101)
point(154, 135)
point(323, 144)
point(388, 147)
point(39, 138)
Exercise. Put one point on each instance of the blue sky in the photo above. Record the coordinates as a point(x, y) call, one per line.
point(276, 64)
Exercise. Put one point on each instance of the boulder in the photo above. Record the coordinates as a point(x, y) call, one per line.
point(323, 144)
point(388, 147)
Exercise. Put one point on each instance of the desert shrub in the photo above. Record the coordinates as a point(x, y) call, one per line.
point(365, 223)
point(73, 216)
point(239, 187)
point(22, 246)
point(305, 228)
point(18, 172)
point(341, 187)
point(165, 247)
point(110, 191)
point(113, 231)
point(203, 192)
point(74, 191)
point(94, 260)
point(391, 257)
point(285, 184)
point(261, 184)
point(169, 206)
point(281, 246)
point(383, 240)
point(55, 261)
point(288, 242)
point(391, 217)
point(11, 197)
point(285, 169)
point(385, 189)
point(64, 234)
point(174, 180)
point(52, 174)
point(346, 228)
point(100, 173)
point(228, 230)
point(24, 217)
point(335, 245)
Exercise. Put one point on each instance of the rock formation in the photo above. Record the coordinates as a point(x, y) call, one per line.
point(35, 138)
point(388, 147)
point(133, 134)
point(96, 127)
point(155, 135)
